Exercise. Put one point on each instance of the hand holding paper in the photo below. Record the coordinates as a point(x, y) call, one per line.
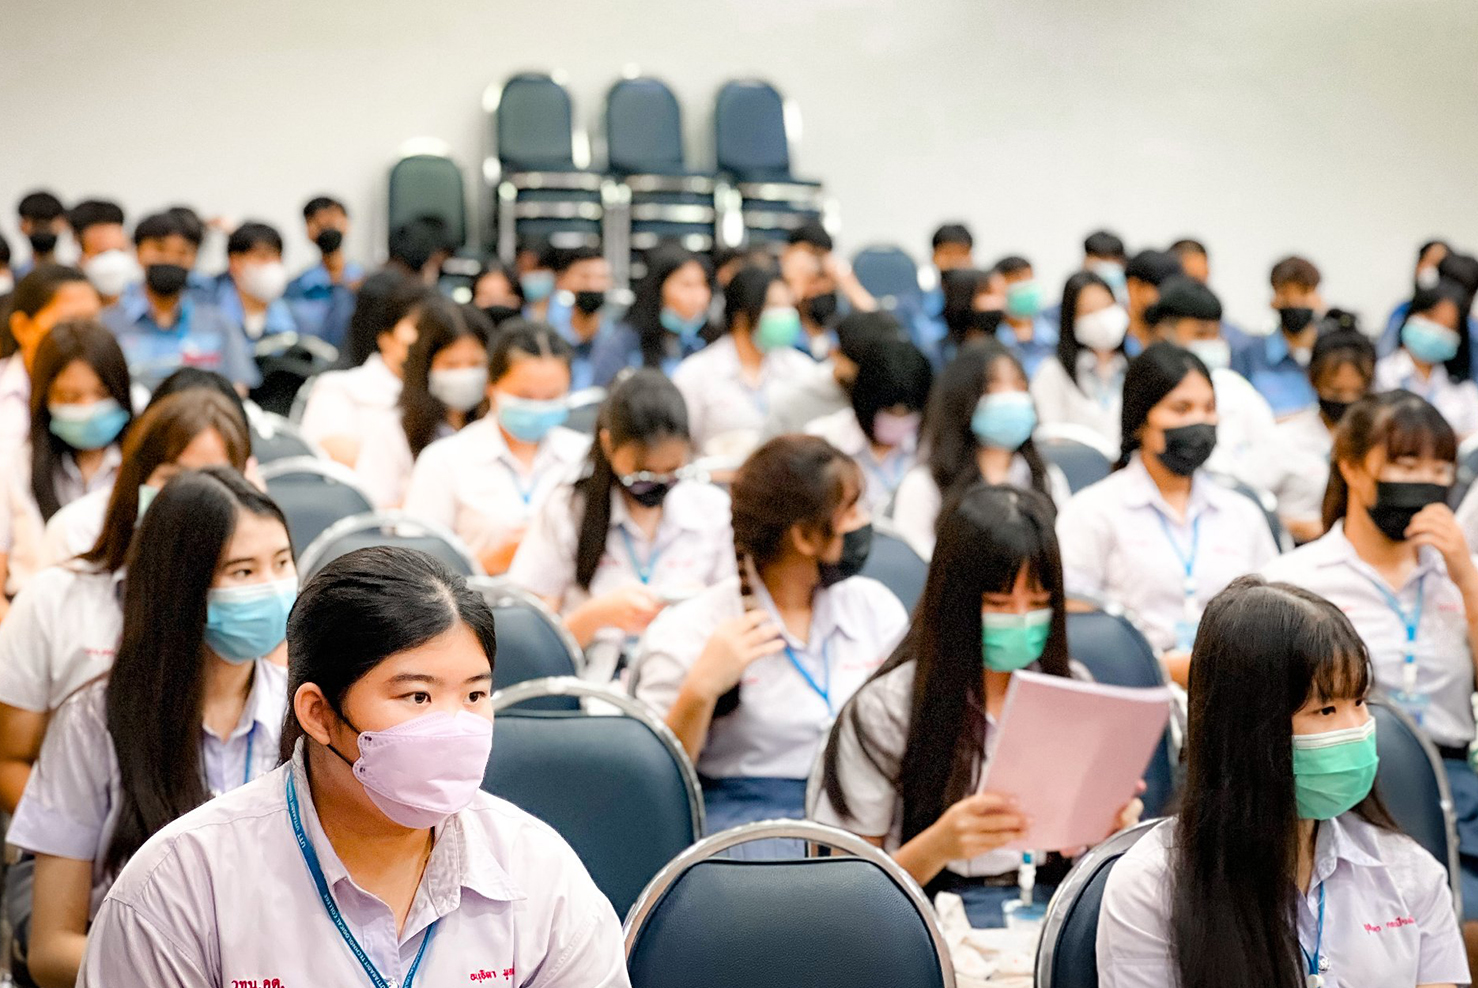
point(1071, 754)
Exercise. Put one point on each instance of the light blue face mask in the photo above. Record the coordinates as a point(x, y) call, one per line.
point(1014, 641)
point(777, 329)
point(90, 426)
point(536, 285)
point(530, 421)
point(1004, 420)
point(243, 624)
point(1429, 341)
point(686, 328)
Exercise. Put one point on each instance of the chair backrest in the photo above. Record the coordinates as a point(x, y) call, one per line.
point(1067, 954)
point(819, 922)
point(428, 185)
point(599, 781)
point(1413, 784)
point(644, 128)
point(532, 643)
point(387, 528)
point(313, 495)
point(887, 272)
point(535, 124)
point(1108, 644)
point(894, 564)
point(1081, 454)
point(276, 438)
point(749, 130)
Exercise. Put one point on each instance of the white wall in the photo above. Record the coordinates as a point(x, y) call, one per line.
point(1343, 129)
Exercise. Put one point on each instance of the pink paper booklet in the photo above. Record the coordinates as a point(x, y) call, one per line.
point(1072, 753)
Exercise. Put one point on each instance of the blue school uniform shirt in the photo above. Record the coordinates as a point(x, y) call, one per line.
point(927, 328)
point(227, 298)
point(1042, 346)
point(200, 337)
point(1268, 364)
point(582, 363)
point(320, 307)
point(618, 348)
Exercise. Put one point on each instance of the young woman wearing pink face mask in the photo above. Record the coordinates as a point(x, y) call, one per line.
point(375, 858)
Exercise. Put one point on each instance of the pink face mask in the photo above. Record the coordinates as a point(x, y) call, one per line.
point(424, 770)
point(895, 430)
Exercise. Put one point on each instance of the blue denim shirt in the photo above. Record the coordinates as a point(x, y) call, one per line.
point(319, 306)
point(227, 298)
point(200, 337)
point(1042, 345)
point(1267, 363)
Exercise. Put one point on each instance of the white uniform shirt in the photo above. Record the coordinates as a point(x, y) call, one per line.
point(1467, 515)
point(1091, 401)
point(15, 403)
point(75, 528)
point(1305, 446)
point(22, 529)
point(513, 906)
point(1388, 914)
point(725, 413)
point(472, 484)
point(1330, 568)
point(71, 804)
point(385, 465)
point(1115, 546)
point(917, 505)
point(883, 475)
point(360, 402)
point(1456, 400)
point(781, 720)
point(797, 402)
point(693, 550)
point(61, 633)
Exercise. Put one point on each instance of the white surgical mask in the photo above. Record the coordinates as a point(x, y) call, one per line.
point(265, 281)
point(1215, 354)
point(111, 272)
point(1102, 330)
point(461, 389)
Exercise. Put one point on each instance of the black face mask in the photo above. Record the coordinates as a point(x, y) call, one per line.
point(856, 545)
point(1188, 447)
point(1295, 320)
point(590, 302)
point(166, 279)
point(1334, 410)
point(648, 493)
point(820, 308)
point(987, 321)
point(43, 242)
point(1397, 503)
point(329, 240)
point(500, 314)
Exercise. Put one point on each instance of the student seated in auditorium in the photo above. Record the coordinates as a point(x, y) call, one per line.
point(48, 295)
point(974, 309)
point(905, 758)
point(42, 220)
point(582, 280)
point(750, 673)
point(1435, 357)
point(666, 322)
point(1195, 262)
point(952, 247)
point(104, 253)
point(322, 297)
point(978, 426)
point(825, 389)
point(632, 535)
point(249, 291)
point(419, 249)
point(163, 326)
point(1277, 364)
point(835, 271)
point(1024, 330)
point(1144, 274)
point(496, 291)
point(1084, 384)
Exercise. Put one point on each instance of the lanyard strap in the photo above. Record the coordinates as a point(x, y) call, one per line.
point(1187, 562)
point(879, 468)
point(251, 737)
point(1410, 621)
point(310, 858)
point(824, 690)
point(1315, 978)
point(643, 570)
point(525, 493)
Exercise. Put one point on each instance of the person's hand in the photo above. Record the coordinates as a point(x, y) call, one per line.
point(1132, 811)
point(499, 556)
point(1436, 526)
point(977, 824)
point(1304, 529)
point(631, 609)
point(733, 647)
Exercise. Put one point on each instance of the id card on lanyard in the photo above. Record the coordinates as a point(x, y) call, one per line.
point(1407, 697)
point(1185, 628)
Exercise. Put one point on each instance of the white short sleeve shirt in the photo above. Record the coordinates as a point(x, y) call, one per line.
point(726, 411)
point(61, 632)
point(358, 402)
point(1305, 446)
point(1388, 912)
point(22, 529)
point(881, 474)
point(1091, 400)
point(781, 720)
point(1456, 400)
point(75, 528)
point(918, 502)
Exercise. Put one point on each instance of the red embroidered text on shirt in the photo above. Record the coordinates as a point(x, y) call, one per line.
point(1394, 924)
point(480, 976)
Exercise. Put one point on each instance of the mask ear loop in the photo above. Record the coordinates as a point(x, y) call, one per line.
point(337, 713)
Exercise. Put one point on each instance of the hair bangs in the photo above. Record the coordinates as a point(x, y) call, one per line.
point(1413, 428)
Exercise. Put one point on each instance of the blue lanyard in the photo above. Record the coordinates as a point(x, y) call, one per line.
point(251, 737)
point(1315, 978)
point(1409, 621)
point(527, 493)
point(823, 691)
point(310, 858)
point(643, 570)
point(1188, 563)
point(890, 478)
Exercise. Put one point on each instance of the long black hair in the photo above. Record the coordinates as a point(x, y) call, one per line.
point(1151, 376)
point(385, 298)
point(890, 373)
point(645, 408)
point(366, 606)
point(1068, 346)
point(1460, 367)
point(959, 287)
point(645, 313)
point(988, 534)
point(440, 322)
point(1263, 650)
point(949, 444)
point(744, 298)
point(156, 691)
point(1401, 423)
point(90, 342)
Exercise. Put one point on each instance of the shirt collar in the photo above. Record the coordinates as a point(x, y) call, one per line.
point(829, 613)
point(1276, 348)
point(112, 459)
point(1338, 550)
point(263, 704)
point(457, 862)
point(678, 513)
point(1342, 840)
point(1141, 491)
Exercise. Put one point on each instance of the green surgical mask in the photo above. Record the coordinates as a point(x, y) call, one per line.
point(146, 498)
point(777, 328)
point(1014, 641)
point(1333, 771)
